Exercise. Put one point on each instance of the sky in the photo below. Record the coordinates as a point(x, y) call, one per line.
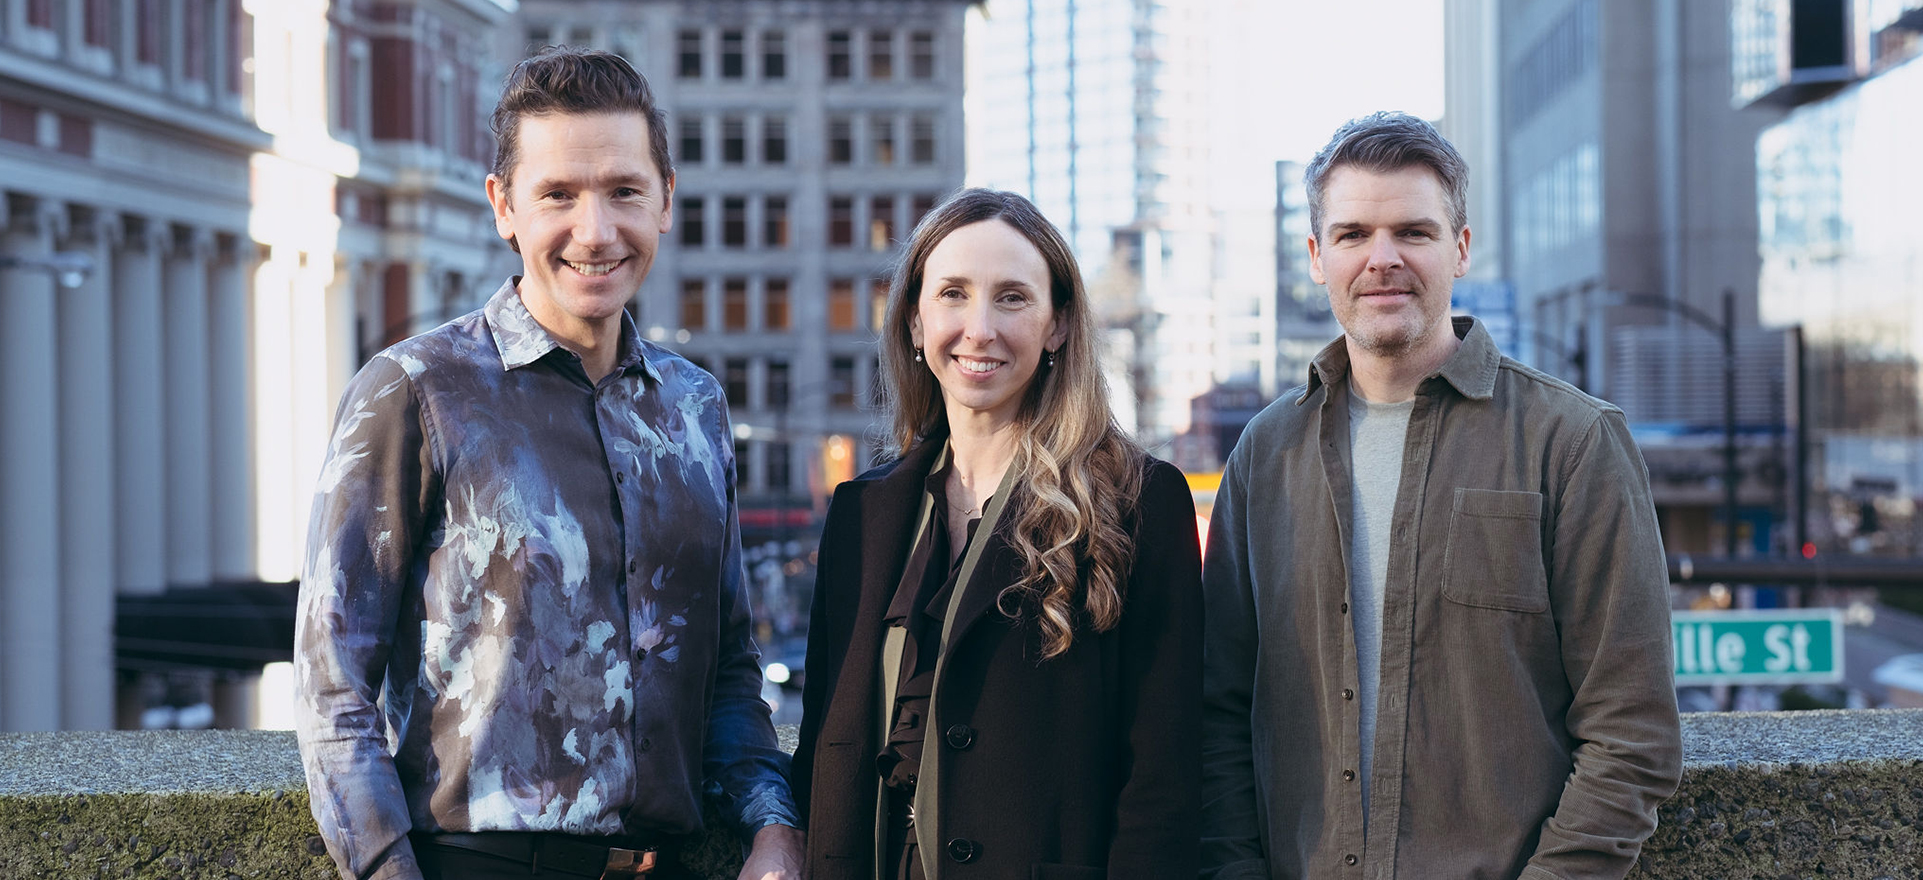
point(1288, 72)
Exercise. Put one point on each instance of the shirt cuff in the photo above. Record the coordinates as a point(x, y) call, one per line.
point(771, 805)
point(399, 864)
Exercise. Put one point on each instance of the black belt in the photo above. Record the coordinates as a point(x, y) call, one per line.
point(608, 857)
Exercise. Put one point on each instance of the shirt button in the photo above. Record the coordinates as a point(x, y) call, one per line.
point(1348, 694)
point(1349, 859)
point(1348, 776)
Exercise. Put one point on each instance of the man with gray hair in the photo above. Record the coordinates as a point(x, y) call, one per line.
point(1437, 607)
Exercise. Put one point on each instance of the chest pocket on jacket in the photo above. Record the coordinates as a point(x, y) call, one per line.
point(1494, 555)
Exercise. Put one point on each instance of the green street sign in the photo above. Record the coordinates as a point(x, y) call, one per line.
point(1773, 646)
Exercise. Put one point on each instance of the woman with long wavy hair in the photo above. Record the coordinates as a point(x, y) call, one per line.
point(1004, 658)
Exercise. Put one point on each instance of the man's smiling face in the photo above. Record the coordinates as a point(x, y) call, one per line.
point(587, 207)
point(1388, 257)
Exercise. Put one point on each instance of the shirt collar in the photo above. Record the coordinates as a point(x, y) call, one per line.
point(1471, 370)
point(522, 340)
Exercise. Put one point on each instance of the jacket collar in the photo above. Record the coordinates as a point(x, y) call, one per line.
point(1471, 370)
point(906, 474)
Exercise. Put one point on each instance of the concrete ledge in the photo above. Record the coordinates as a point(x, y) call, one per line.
point(1766, 795)
point(1829, 794)
point(215, 804)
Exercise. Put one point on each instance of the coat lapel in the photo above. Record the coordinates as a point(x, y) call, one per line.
point(886, 506)
point(980, 586)
point(985, 573)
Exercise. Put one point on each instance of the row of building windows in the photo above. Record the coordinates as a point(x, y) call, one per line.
point(732, 146)
point(777, 469)
point(1558, 205)
point(876, 217)
point(763, 221)
point(739, 139)
point(877, 55)
point(767, 304)
point(442, 112)
point(891, 139)
point(1564, 54)
point(733, 217)
point(199, 41)
point(773, 390)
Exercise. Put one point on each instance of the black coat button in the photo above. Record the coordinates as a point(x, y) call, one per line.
point(1349, 859)
point(1348, 776)
point(961, 736)
point(1348, 694)
point(963, 850)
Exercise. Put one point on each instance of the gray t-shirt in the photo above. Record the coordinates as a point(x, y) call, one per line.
point(1376, 435)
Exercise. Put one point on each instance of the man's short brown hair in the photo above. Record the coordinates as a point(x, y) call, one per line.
point(570, 79)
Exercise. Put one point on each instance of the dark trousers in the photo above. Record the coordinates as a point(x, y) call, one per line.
point(443, 862)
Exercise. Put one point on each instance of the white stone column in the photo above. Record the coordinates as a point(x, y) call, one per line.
point(346, 291)
point(87, 519)
point(140, 448)
point(184, 318)
point(298, 349)
point(231, 428)
point(29, 477)
point(282, 491)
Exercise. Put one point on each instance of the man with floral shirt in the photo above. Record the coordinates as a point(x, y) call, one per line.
point(523, 639)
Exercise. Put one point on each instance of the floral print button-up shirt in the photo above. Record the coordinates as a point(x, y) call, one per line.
point(523, 606)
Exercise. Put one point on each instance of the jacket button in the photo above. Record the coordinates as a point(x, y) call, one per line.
point(1345, 608)
point(1348, 694)
point(1348, 776)
point(961, 736)
point(1349, 859)
point(963, 850)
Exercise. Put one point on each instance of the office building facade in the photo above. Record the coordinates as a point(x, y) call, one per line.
point(808, 139)
point(258, 193)
point(1623, 189)
point(1840, 263)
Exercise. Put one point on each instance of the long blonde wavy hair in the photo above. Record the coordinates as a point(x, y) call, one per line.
point(1078, 475)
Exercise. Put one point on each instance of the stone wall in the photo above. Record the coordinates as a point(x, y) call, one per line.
point(1769, 795)
point(1832, 794)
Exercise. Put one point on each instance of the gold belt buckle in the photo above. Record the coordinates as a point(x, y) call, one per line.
point(628, 863)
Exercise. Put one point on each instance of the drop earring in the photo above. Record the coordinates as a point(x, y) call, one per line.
point(918, 355)
point(1051, 360)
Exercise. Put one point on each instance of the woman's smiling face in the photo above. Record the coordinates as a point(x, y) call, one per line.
point(983, 318)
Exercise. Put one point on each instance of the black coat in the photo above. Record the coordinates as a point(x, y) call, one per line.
point(1084, 766)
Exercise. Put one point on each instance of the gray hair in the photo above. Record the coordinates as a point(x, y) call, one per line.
point(1385, 141)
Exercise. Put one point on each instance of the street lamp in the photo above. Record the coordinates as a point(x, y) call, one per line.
point(68, 268)
point(1725, 331)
